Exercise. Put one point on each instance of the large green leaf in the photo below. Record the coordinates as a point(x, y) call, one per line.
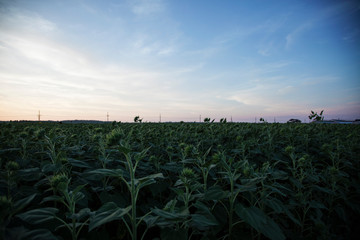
point(49, 168)
point(215, 193)
point(39, 215)
point(260, 221)
point(107, 213)
point(201, 207)
point(107, 172)
point(23, 233)
point(292, 217)
point(53, 198)
point(142, 182)
point(80, 215)
point(275, 204)
point(20, 204)
point(201, 221)
point(30, 174)
point(169, 215)
point(78, 163)
point(150, 220)
point(275, 190)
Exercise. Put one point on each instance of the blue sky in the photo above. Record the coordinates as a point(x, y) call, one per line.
point(181, 59)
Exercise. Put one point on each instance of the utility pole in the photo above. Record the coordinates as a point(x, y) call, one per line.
point(200, 118)
point(231, 119)
point(160, 117)
point(39, 116)
point(107, 116)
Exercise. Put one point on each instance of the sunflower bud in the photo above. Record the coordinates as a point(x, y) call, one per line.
point(12, 166)
point(188, 173)
point(289, 150)
point(59, 182)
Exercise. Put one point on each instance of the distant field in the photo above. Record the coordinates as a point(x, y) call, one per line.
point(179, 181)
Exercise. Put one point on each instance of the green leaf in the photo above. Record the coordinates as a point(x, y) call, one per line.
point(212, 166)
point(314, 204)
point(252, 215)
point(148, 180)
point(202, 221)
point(80, 215)
point(39, 215)
point(52, 198)
point(78, 188)
point(178, 183)
point(276, 205)
point(178, 191)
point(275, 190)
point(215, 193)
point(150, 220)
point(152, 176)
point(124, 150)
point(107, 213)
point(20, 204)
point(201, 207)
point(237, 176)
point(107, 172)
point(9, 150)
point(291, 216)
point(260, 221)
point(169, 215)
point(38, 234)
point(78, 163)
point(170, 205)
point(49, 168)
point(322, 189)
point(29, 174)
point(245, 188)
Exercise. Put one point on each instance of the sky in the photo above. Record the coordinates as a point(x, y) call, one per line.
point(184, 60)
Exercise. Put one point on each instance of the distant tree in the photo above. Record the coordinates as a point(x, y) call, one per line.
point(263, 120)
point(294, 121)
point(223, 120)
point(137, 119)
point(206, 120)
point(315, 117)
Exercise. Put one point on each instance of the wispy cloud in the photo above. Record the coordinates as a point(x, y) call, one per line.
point(293, 36)
point(322, 17)
point(13, 19)
point(147, 7)
point(286, 90)
point(352, 36)
point(43, 68)
point(266, 49)
point(148, 44)
point(316, 80)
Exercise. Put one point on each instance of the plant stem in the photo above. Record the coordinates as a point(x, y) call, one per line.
point(231, 209)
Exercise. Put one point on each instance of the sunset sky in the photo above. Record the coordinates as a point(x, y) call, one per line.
point(243, 60)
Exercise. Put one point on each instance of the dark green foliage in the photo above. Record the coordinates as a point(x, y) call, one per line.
point(179, 181)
